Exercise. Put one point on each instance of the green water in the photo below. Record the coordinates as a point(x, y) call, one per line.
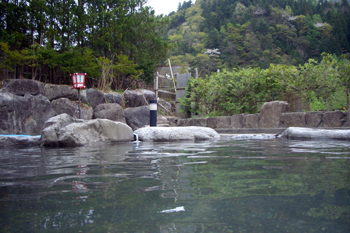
point(222, 186)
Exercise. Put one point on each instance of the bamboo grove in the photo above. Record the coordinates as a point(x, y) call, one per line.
point(324, 85)
point(111, 40)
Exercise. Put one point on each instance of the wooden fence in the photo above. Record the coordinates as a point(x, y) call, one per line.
point(172, 88)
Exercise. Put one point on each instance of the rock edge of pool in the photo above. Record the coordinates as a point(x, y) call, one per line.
point(201, 133)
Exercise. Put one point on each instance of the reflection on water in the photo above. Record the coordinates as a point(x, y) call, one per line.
point(223, 186)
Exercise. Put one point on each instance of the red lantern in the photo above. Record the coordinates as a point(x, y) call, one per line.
point(78, 80)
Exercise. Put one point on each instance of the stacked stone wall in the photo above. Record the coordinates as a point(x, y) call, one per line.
point(272, 115)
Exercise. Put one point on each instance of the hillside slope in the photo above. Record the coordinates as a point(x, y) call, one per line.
point(255, 33)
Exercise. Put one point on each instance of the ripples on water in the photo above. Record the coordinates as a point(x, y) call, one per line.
point(222, 186)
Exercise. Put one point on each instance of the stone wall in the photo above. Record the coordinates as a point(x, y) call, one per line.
point(272, 115)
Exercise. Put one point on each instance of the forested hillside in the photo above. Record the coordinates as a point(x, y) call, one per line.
point(113, 41)
point(255, 33)
point(119, 41)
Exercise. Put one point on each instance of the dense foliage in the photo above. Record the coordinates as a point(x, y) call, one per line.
point(120, 39)
point(255, 33)
point(324, 84)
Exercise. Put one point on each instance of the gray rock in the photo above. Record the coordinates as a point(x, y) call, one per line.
point(64, 105)
point(53, 92)
point(293, 119)
point(138, 98)
point(185, 122)
point(83, 97)
point(114, 98)
point(164, 107)
point(270, 114)
point(308, 133)
point(92, 97)
point(347, 120)
point(21, 87)
point(61, 121)
point(63, 131)
point(172, 121)
point(223, 122)
point(19, 141)
point(176, 133)
point(137, 117)
point(113, 112)
point(200, 122)
point(313, 119)
point(251, 121)
point(24, 114)
point(333, 119)
point(50, 133)
point(211, 122)
point(237, 121)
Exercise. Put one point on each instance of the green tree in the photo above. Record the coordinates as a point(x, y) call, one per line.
point(344, 71)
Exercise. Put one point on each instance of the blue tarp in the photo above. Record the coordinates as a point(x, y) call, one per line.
point(17, 135)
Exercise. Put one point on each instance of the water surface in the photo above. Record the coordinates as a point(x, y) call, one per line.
point(222, 186)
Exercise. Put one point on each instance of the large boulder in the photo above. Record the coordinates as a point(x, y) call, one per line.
point(60, 121)
point(24, 114)
point(66, 131)
point(114, 98)
point(64, 105)
point(21, 87)
point(92, 97)
point(50, 133)
point(53, 92)
point(309, 133)
point(138, 98)
point(270, 114)
point(137, 117)
point(113, 112)
point(176, 133)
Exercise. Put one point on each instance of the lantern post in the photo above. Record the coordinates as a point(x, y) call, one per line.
point(78, 80)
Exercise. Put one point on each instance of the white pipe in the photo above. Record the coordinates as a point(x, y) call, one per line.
point(136, 137)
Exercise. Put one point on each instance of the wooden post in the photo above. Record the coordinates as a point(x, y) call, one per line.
point(172, 75)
